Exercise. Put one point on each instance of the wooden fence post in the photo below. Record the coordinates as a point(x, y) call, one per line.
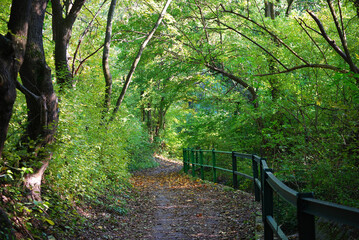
point(234, 170)
point(267, 202)
point(214, 166)
point(184, 160)
point(201, 163)
point(189, 159)
point(255, 177)
point(306, 222)
point(192, 160)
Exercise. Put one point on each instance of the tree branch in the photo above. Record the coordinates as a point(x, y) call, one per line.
point(86, 58)
point(74, 11)
point(255, 43)
point(138, 57)
point(26, 91)
point(268, 31)
point(322, 66)
point(326, 37)
point(315, 43)
point(343, 39)
point(234, 78)
point(346, 57)
point(83, 35)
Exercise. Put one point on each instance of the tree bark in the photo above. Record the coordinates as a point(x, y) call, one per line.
point(12, 49)
point(62, 30)
point(105, 63)
point(138, 57)
point(269, 9)
point(42, 103)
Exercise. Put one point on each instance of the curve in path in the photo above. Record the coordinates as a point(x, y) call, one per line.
point(182, 208)
point(167, 204)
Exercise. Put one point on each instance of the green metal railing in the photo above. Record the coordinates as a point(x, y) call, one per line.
point(265, 184)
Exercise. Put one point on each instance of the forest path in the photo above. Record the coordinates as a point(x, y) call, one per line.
point(170, 205)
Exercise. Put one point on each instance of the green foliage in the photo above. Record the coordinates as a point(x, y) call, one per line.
point(139, 149)
point(93, 155)
point(4, 15)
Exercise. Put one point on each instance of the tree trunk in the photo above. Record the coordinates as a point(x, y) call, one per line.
point(269, 9)
point(62, 30)
point(7, 87)
point(105, 63)
point(42, 102)
point(12, 49)
point(162, 110)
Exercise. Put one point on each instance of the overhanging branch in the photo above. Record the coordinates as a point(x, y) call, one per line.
point(322, 66)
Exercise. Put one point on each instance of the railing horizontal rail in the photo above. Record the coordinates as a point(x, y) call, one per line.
point(274, 225)
point(223, 169)
point(283, 190)
point(257, 158)
point(265, 184)
point(243, 175)
point(331, 211)
point(224, 152)
point(207, 166)
point(243, 155)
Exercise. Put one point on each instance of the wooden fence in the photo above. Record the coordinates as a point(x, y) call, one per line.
point(265, 184)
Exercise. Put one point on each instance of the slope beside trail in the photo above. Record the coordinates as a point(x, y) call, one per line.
point(171, 205)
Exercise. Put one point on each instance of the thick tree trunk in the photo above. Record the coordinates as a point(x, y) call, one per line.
point(62, 30)
point(7, 87)
point(42, 102)
point(12, 49)
point(62, 39)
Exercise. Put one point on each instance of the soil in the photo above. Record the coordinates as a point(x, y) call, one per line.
point(169, 204)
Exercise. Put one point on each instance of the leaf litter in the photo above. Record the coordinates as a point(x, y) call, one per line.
point(169, 204)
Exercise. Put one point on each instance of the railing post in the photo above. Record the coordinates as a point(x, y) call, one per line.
point(306, 222)
point(267, 202)
point(188, 158)
point(184, 160)
point(255, 177)
point(196, 161)
point(214, 166)
point(192, 160)
point(201, 162)
point(234, 170)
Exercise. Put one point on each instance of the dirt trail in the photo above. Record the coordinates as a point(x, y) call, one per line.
point(170, 205)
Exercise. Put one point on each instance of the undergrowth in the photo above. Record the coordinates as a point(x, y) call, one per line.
point(90, 167)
